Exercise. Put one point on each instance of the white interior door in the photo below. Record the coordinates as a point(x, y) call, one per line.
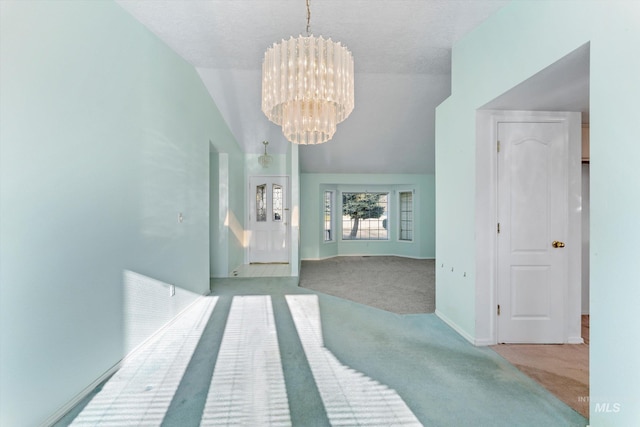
point(269, 219)
point(533, 200)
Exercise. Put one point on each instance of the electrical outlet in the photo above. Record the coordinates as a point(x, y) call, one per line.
point(172, 290)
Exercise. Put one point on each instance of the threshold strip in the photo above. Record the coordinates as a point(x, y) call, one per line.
point(247, 387)
point(350, 397)
point(140, 392)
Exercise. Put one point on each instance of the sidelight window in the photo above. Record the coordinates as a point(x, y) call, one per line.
point(328, 216)
point(276, 201)
point(406, 215)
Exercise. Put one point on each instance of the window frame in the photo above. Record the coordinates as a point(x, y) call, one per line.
point(382, 190)
point(411, 192)
point(332, 213)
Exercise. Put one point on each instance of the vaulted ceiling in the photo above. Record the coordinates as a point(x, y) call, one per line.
point(402, 54)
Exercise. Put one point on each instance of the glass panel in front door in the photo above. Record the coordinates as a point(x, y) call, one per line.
point(276, 200)
point(261, 203)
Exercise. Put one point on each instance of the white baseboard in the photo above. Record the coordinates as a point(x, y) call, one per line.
point(483, 342)
point(455, 327)
point(575, 340)
point(364, 255)
point(61, 412)
point(486, 341)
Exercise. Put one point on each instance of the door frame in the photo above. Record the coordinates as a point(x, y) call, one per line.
point(487, 214)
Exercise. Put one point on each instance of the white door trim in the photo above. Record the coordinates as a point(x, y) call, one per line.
point(486, 221)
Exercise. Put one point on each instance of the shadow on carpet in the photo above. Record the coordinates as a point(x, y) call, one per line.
point(442, 378)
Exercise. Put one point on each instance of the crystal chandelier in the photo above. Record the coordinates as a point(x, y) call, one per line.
point(265, 159)
point(307, 86)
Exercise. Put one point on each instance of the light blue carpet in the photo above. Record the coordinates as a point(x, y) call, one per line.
point(386, 367)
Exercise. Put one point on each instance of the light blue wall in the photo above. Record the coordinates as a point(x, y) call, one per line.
point(312, 190)
point(518, 41)
point(234, 220)
point(219, 235)
point(228, 227)
point(293, 168)
point(104, 141)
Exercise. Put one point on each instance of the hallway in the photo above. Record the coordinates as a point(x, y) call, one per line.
point(266, 352)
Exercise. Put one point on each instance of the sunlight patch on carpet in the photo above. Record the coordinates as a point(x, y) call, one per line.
point(350, 397)
point(141, 391)
point(247, 386)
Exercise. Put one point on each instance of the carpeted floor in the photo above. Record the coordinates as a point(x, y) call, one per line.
point(404, 285)
point(334, 355)
point(396, 284)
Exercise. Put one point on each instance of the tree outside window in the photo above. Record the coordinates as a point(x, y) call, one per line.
point(364, 216)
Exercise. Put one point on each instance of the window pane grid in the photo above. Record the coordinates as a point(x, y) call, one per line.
point(261, 203)
point(277, 202)
point(406, 216)
point(364, 216)
point(328, 216)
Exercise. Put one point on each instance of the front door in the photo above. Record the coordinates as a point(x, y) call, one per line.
point(269, 220)
point(532, 271)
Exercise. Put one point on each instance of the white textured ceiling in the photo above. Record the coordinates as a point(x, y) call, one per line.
point(402, 54)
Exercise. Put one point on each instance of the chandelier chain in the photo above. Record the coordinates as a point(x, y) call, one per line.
point(308, 18)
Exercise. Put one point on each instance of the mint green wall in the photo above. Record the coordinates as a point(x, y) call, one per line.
point(293, 168)
point(227, 239)
point(515, 43)
point(104, 141)
point(234, 221)
point(312, 188)
point(227, 209)
point(218, 232)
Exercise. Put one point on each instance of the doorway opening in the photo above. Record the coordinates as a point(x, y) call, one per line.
point(563, 86)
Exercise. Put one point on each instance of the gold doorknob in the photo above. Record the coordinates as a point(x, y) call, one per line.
point(557, 244)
